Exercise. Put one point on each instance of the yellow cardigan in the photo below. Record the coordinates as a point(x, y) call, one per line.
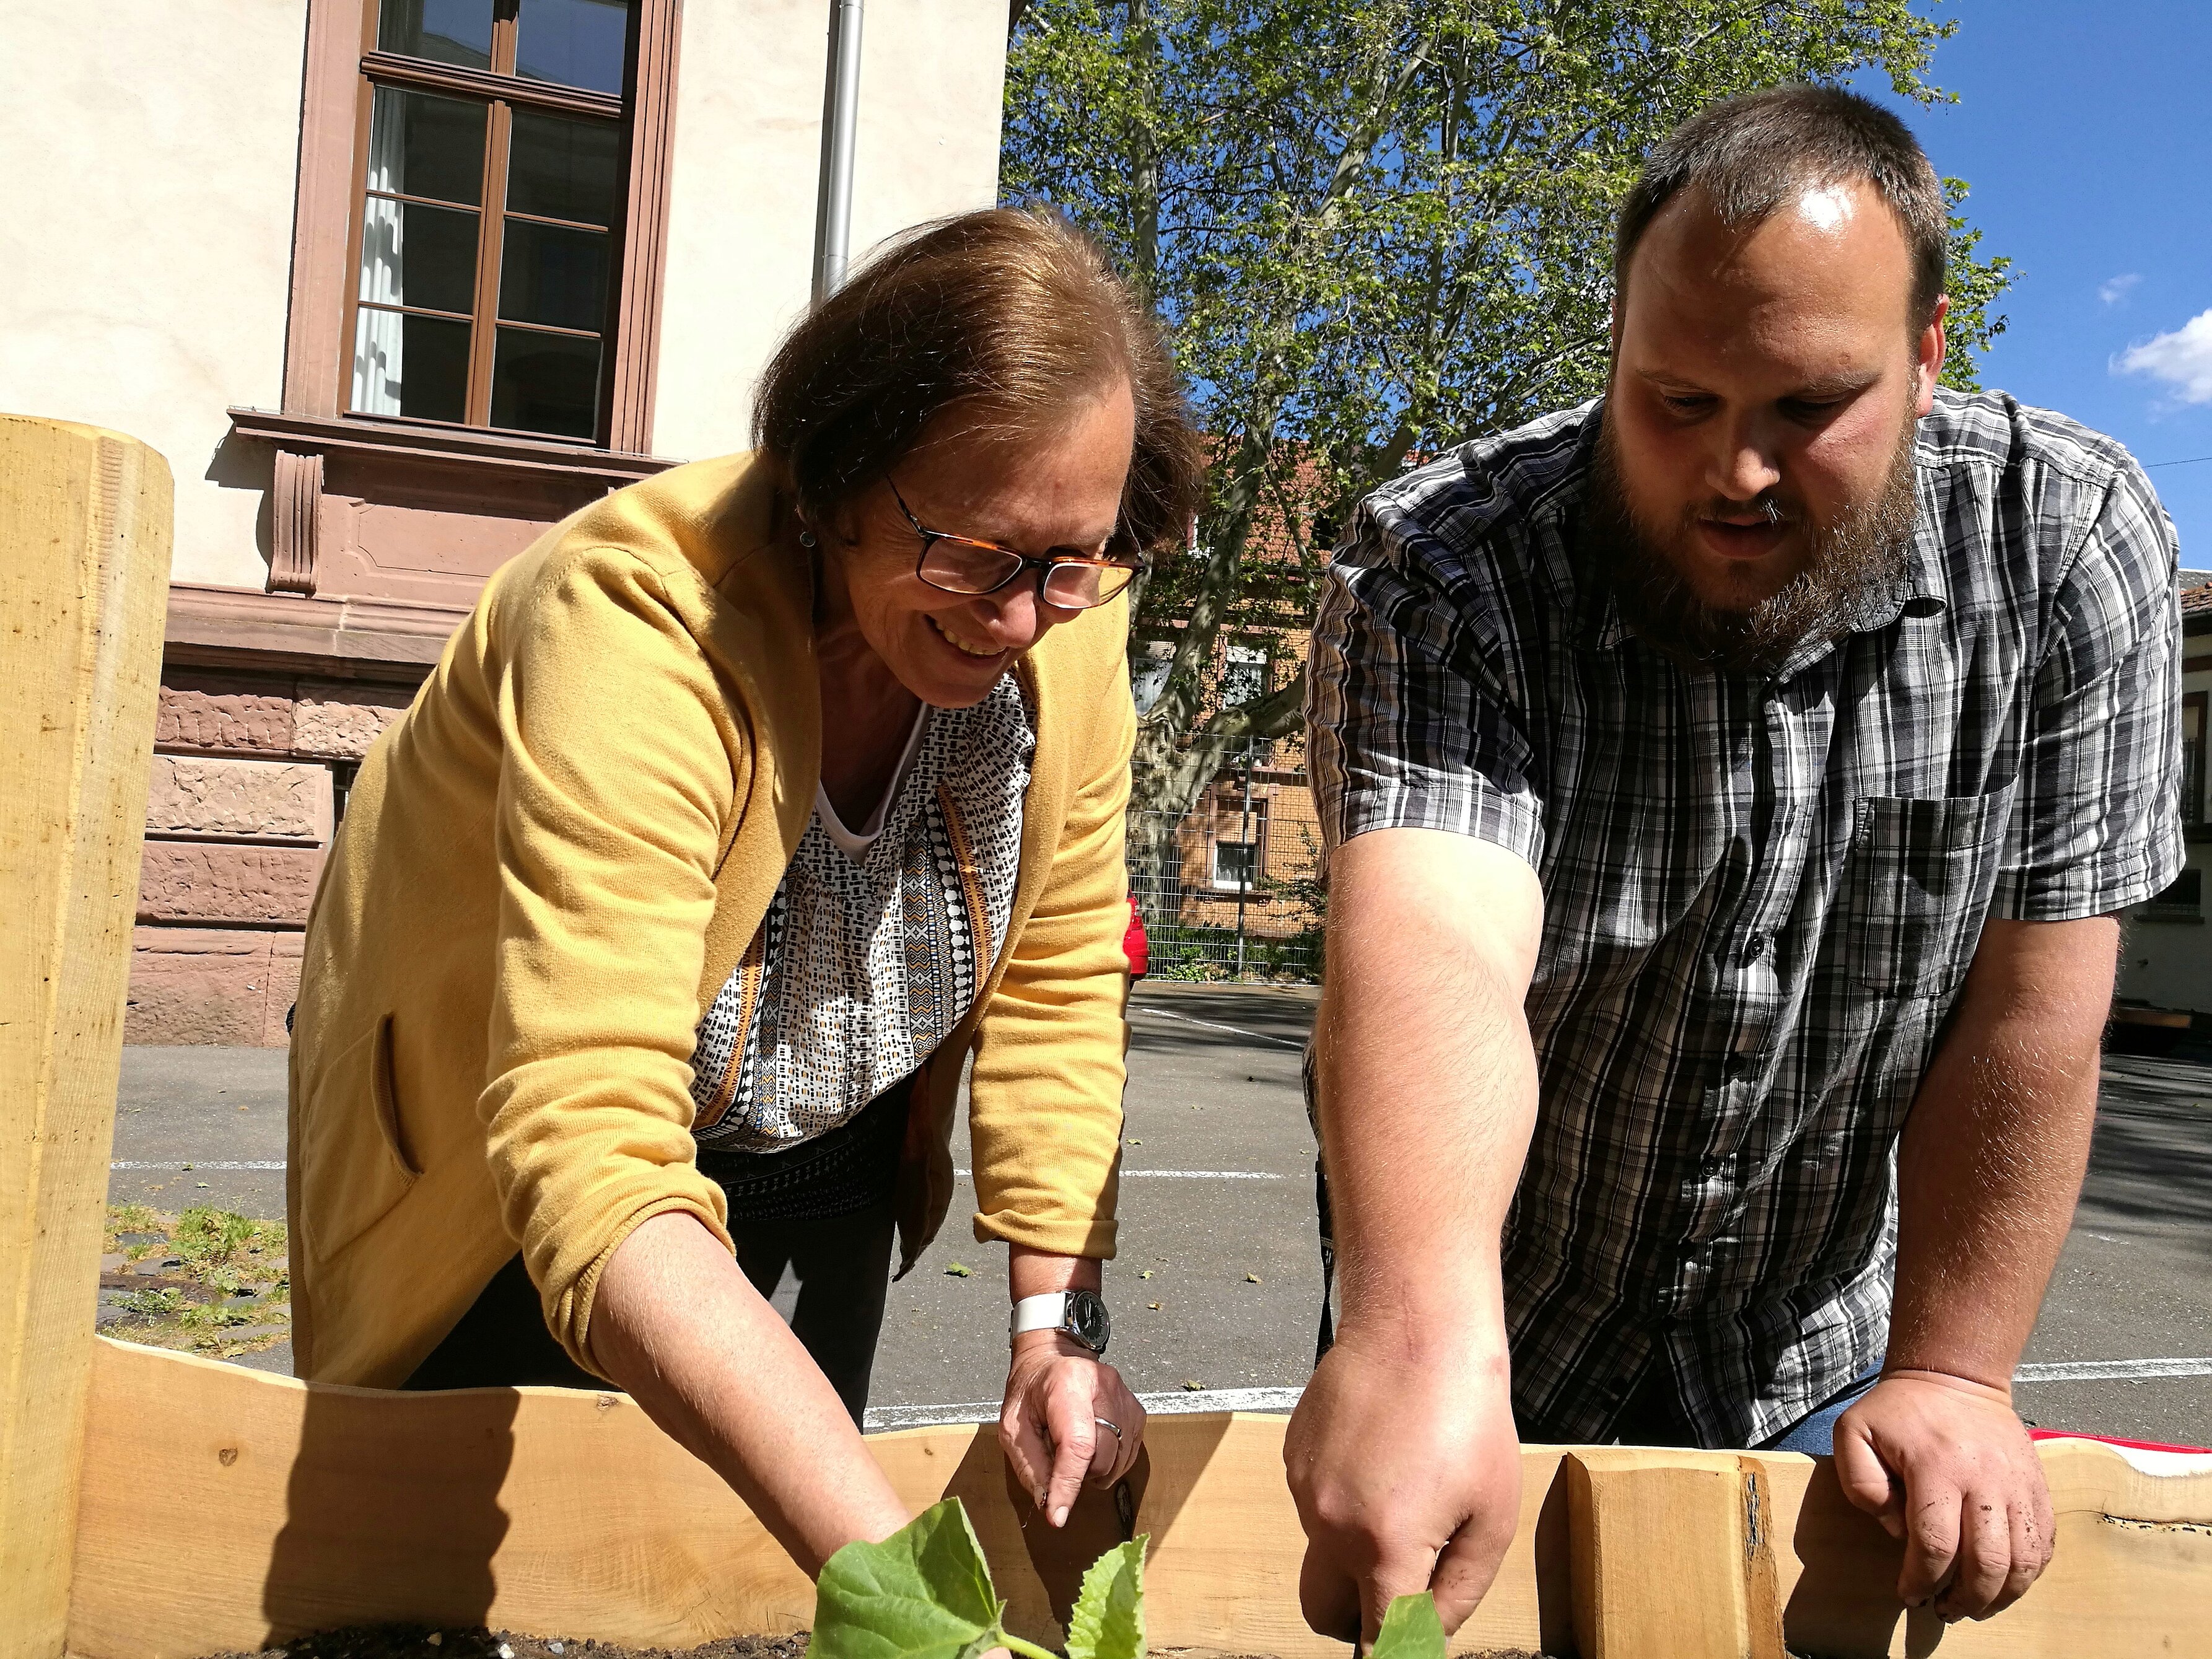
point(550, 865)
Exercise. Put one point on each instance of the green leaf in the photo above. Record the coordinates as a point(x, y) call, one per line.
point(1108, 1621)
point(1410, 1630)
point(923, 1592)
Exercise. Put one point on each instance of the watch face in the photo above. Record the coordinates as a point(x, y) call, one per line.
point(1087, 1320)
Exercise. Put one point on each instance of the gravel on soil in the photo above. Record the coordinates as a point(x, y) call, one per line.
point(428, 1641)
point(423, 1642)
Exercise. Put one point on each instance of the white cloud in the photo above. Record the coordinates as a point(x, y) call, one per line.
point(2112, 292)
point(2182, 359)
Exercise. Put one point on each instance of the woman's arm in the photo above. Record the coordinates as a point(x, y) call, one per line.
point(1045, 1097)
point(679, 1326)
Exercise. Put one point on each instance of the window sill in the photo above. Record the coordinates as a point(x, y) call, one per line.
point(508, 452)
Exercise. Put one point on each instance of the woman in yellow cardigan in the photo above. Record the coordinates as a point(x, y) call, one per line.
point(745, 807)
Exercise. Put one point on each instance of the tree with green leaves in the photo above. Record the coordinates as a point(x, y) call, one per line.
point(1376, 228)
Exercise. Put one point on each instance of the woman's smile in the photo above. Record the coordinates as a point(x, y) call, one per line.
point(982, 649)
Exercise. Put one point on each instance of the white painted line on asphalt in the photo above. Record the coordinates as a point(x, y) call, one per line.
point(1181, 1402)
point(1233, 1030)
point(2110, 1370)
point(198, 1164)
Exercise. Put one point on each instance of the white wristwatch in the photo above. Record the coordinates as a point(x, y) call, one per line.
point(1080, 1315)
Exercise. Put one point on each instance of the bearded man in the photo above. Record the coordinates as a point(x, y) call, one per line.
point(1730, 785)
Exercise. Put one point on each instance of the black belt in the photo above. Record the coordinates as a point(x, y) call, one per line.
point(852, 1167)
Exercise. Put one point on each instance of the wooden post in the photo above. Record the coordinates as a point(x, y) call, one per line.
point(1673, 1555)
point(84, 572)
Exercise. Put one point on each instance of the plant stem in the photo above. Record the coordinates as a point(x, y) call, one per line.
point(1027, 1649)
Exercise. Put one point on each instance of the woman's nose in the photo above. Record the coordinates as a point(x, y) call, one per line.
point(1013, 615)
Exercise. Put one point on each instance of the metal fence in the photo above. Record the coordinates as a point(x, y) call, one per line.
point(1228, 892)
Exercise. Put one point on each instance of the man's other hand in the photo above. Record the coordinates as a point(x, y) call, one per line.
point(1945, 1465)
point(1406, 1475)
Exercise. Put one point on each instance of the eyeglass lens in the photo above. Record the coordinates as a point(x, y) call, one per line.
point(965, 567)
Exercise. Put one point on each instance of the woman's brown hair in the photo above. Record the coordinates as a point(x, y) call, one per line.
point(1011, 319)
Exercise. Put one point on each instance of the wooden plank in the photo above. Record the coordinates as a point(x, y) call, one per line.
point(281, 1507)
point(1673, 1555)
point(223, 1509)
point(2132, 1572)
point(84, 571)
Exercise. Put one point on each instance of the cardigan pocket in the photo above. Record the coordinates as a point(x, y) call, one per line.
point(352, 1170)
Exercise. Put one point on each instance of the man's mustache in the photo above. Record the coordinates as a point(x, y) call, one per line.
point(1767, 507)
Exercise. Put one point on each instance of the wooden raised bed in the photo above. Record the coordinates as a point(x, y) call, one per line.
point(158, 1506)
point(223, 1509)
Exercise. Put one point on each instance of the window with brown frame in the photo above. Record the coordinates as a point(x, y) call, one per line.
point(491, 191)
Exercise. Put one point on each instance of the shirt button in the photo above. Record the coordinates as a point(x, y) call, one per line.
point(1755, 947)
point(1735, 1065)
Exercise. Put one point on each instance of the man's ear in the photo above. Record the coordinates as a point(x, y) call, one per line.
point(1928, 368)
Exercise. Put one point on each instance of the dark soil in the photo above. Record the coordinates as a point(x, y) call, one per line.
point(422, 1641)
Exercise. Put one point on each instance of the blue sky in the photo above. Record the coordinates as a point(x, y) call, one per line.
point(2085, 130)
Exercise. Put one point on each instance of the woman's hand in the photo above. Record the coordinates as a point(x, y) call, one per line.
point(1051, 1428)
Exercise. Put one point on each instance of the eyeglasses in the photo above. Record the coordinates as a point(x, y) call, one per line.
point(960, 564)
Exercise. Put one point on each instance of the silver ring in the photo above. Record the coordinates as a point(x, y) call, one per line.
point(1105, 1424)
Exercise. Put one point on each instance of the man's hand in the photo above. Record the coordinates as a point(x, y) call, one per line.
point(1406, 1475)
point(1056, 1390)
point(1945, 1464)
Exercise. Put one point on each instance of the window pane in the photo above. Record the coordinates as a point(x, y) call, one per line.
point(555, 276)
point(563, 168)
point(420, 144)
point(412, 255)
point(410, 366)
point(546, 383)
point(578, 43)
point(446, 31)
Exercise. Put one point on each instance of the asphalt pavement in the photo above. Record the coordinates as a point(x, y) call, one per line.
point(1217, 1223)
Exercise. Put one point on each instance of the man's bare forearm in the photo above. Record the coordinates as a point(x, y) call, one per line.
point(1992, 1157)
point(1427, 1078)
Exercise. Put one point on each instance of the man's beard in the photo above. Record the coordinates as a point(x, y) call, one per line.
point(1852, 562)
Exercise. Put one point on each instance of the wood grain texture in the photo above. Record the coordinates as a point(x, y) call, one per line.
point(84, 569)
point(280, 1507)
point(2132, 1574)
point(224, 1509)
point(1673, 1555)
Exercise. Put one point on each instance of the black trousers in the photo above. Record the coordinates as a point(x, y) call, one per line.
point(814, 1228)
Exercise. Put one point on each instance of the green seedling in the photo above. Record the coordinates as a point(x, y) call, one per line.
point(1410, 1630)
point(925, 1593)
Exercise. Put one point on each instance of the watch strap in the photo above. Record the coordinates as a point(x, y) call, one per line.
point(1047, 1312)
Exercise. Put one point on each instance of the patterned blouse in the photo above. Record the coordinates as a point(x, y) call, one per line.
point(863, 965)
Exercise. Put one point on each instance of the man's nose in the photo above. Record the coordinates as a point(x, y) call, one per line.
point(1746, 463)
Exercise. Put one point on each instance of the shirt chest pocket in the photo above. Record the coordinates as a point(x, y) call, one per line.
point(1916, 888)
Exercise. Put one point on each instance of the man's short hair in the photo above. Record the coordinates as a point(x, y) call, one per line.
point(1749, 156)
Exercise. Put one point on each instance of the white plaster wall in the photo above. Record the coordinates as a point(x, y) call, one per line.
point(148, 152)
point(2167, 963)
point(747, 165)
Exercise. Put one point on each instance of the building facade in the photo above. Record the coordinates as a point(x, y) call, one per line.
point(394, 285)
point(2165, 958)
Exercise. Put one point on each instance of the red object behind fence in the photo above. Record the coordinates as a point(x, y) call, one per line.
point(1134, 944)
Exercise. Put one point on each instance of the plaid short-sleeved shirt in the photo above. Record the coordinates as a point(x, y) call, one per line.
point(1761, 895)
